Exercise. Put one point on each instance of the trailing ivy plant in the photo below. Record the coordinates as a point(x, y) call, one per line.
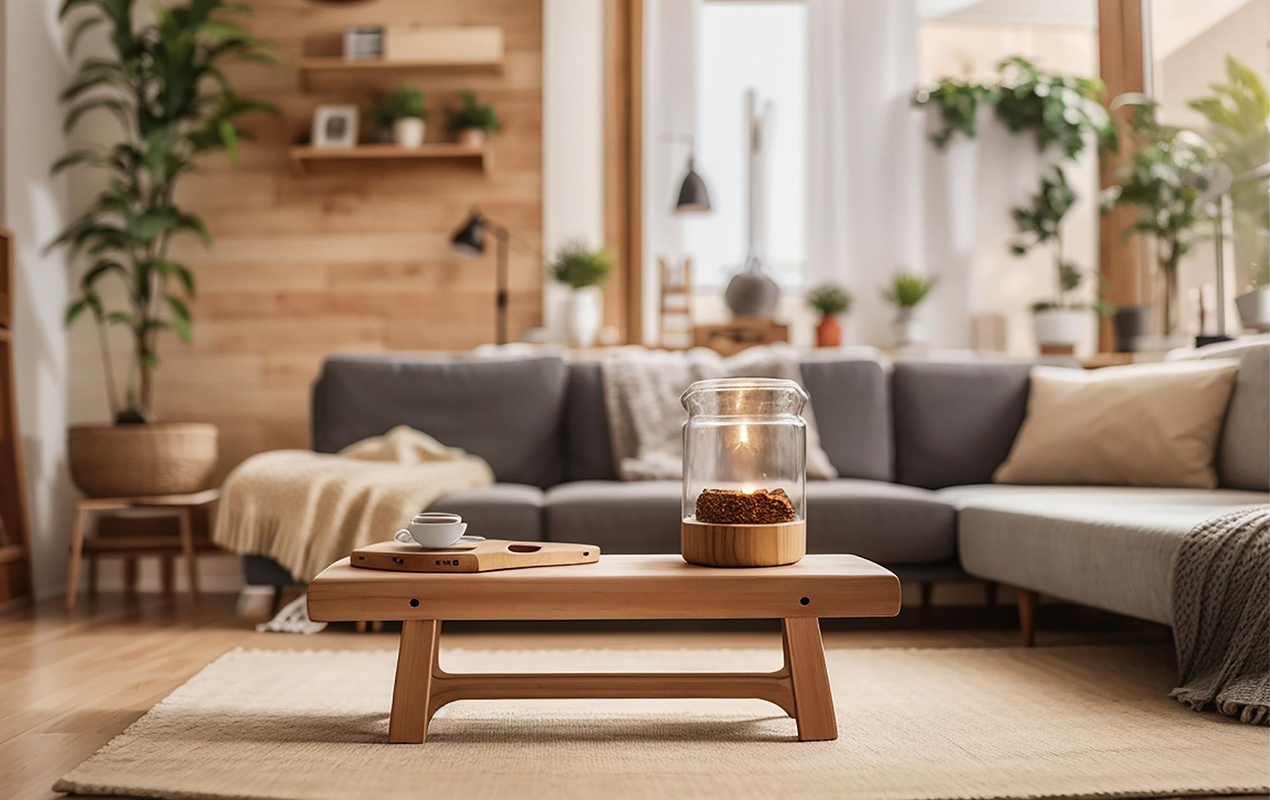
point(1165, 181)
point(164, 84)
point(1040, 224)
point(1238, 115)
point(1056, 109)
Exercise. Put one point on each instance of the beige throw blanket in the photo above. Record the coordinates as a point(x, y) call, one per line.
point(641, 399)
point(306, 510)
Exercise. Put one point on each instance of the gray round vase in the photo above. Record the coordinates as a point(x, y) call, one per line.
point(752, 292)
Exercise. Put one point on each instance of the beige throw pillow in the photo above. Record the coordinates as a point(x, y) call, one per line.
point(1138, 425)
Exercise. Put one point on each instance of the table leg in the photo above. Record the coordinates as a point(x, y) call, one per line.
point(412, 688)
point(187, 547)
point(167, 575)
point(813, 699)
point(77, 557)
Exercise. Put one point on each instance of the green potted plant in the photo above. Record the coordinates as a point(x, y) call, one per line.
point(906, 293)
point(1165, 180)
point(830, 300)
point(402, 112)
point(163, 83)
point(1238, 113)
point(473, 121)
point(1061, 323)
point(583, 270)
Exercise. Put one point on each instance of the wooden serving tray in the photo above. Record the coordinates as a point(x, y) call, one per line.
point(486, 556)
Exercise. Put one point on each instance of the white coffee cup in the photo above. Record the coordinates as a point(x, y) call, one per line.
point(433, 530)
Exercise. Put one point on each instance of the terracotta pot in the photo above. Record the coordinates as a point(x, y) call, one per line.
point(472, 137)
point(829, 332)
point(142, 460)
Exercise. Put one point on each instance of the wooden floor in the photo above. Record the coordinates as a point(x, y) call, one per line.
point(70, 682)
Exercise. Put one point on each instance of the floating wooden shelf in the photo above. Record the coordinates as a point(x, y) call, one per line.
point(304, 155)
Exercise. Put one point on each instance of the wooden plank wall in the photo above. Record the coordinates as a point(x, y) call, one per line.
point(350, 257)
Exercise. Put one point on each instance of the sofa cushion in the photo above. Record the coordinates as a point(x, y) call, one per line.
point(501, 511)
point(1243, 453)
point(1132, 425)
point(588, 450)
point(955, 421)
point(1103, 546)
point(851, 400)
point(507, 411)
point(879, 521)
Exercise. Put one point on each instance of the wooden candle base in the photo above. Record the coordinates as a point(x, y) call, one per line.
point(742, 545)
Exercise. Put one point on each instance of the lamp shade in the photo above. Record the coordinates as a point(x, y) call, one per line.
point(693, 195)
point(469, 239)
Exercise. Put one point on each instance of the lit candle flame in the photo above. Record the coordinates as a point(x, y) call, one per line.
point(743, 434)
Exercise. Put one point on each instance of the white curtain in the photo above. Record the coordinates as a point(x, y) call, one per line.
point(864, 209)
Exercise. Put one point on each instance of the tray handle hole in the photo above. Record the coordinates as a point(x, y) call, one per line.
point(805, 601)
point(524, 548)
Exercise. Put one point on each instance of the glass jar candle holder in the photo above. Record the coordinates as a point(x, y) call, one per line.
point(745, 473)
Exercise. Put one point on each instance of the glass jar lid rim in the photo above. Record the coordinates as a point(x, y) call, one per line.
point(739, 384)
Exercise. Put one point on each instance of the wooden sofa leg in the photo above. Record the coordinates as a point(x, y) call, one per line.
point(1027, 615)
point(990, 593)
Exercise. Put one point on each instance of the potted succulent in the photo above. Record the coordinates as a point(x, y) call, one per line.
point(830, 300)
point(472, 121)
point(1165, 181)
point(402, 112)
point(583, 269)
point(1061, 323)
point(906, 293)
point(164, 85)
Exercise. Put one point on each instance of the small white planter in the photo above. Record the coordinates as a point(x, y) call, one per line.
point(908, 329)
point(585, 316)
point(1060, 327)
point(408, 132)
point(1254, 309)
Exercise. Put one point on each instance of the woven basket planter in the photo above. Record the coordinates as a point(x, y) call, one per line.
point(142, 460)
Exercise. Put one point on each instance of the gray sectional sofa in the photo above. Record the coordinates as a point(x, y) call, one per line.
point(915, 444)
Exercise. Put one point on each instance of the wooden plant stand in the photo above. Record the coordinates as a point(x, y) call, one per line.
point(616, 587)
point(131, 547)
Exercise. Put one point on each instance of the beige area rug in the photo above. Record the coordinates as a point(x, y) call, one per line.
point(955, 723)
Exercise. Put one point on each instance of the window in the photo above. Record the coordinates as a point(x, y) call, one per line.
point(742, 46)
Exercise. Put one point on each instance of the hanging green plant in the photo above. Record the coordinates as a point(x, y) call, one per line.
point(1056, 109)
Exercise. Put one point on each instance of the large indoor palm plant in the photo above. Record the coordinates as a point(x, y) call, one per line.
point(164, 84)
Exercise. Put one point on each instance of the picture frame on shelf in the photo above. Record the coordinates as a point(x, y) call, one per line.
point(336, 126)
point(364, 43)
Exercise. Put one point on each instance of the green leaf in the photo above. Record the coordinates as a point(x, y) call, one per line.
point(81, 27)
point(120, 109)
point(230, 137)
point(151, 225)
point(75, 309)
point(99, 269)
point(181, 321)
point(75, 158)
point(195, 224)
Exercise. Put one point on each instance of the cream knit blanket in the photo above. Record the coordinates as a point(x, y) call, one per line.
point(306, 510)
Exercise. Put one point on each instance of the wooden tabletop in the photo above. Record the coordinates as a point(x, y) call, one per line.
point(616, 587)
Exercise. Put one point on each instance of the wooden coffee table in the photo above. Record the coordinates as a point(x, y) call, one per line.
point(616, 587)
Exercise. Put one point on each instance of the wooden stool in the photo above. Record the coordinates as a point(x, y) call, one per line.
point(177, 505)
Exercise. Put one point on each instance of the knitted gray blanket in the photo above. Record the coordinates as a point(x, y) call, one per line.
point(1221, 615)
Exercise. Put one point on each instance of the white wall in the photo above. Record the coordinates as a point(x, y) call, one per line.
point(35, 209)
point(573, 133)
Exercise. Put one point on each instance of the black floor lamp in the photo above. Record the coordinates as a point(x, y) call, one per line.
point(469, 241)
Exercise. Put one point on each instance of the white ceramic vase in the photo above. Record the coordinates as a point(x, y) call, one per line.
point(908, 329)
point(1254, 309)
point(408, 132)
point(585, 316)
point(1060, 327)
